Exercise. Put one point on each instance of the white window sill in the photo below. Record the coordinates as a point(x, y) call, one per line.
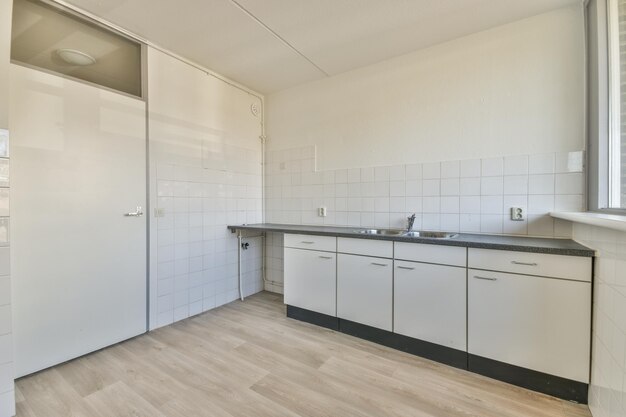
point(611, 221)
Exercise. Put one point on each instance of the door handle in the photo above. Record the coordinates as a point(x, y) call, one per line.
point(137, 213)
point(524, 263)
point(377, 264)
point(485, 278)
point(326, 257)
point(307, 242)
point(405, 267)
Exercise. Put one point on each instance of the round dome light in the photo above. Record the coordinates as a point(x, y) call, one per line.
point(74, 57)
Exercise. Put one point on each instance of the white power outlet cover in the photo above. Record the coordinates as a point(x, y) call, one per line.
point(321, 212)
point(517, 214)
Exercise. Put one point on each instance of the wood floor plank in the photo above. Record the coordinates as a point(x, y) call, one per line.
point(247, 359)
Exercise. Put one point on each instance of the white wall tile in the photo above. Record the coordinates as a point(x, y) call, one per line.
point(397, 173)
point(516, 184)
point(569, 162)
point(450, 187)
point(450, 222)
point(431, 221)
point(368, 175)
point(414, 172)
point(470, 204)
point(540, 225)
point(450, 169)
point(492, 186)
point(516, 165)
point(341, 176)
point(541, 184)
point(414, 188)
point(572, 183)
point(491, 223)
point(397, 188)
point(469, 223)
point(491, 204)
point(431, 187)
point(431, 204)
point(541, 164)
point(450, 205)
point(470, 168)
point(470, 186)
point(431, 170)
point(569, 203)
point(492, 167)
point(540, 204)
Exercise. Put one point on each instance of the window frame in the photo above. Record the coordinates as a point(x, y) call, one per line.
point(603, 99)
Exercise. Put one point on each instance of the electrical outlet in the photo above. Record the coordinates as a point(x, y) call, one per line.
point(517, 214)
point(321, 212)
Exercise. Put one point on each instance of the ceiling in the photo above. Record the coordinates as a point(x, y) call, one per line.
point(271, 45)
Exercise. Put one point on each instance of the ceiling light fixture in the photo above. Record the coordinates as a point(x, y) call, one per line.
point(75, 57)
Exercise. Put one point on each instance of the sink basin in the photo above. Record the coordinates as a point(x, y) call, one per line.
point(388, 232)
point(431, 235)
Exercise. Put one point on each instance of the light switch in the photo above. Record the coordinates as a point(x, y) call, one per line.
point(321, 212)
point(159, 212)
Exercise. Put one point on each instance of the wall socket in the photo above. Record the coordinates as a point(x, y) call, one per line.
point(321, 212)
point(517, 214)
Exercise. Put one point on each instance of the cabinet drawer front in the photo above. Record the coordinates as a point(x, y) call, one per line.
point(313, 242)
point(430, 303)
point(310, 280)
point(557, 266)
point(364, 290)
point(368, 247)
point(537, 323)
point(435, 254)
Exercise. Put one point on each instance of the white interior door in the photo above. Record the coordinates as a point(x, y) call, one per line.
point(78, 164)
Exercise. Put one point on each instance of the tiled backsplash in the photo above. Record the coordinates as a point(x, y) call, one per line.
point(472, 196)
point(607, 395)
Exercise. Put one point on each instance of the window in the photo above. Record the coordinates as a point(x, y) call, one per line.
point(616, 178)
point(52, 39)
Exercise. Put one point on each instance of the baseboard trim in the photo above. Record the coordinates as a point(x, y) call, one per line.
point(319, 319)
point(556, 386)
point(428, 350)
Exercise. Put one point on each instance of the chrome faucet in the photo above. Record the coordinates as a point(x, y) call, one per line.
point(411, 220)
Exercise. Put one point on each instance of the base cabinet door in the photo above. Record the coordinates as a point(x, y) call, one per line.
point(364, 290)
point(534, 322)
point(430, 303)
point(310, 280)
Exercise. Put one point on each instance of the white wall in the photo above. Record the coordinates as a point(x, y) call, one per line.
point(515, 89)
point(205, 173)
point(607, 395)
point(7, 397)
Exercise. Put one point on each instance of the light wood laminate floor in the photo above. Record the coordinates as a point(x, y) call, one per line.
point(247, 359)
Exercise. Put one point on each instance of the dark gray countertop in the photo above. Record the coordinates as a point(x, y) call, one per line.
point(516, 243)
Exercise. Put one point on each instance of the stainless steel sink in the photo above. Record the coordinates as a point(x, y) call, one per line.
point(387, 232)
point(431, 235)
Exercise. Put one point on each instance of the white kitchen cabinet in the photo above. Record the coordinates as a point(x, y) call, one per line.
point(311, 242)
point(541, 264)
point(433, 254)
point(365, 290)
point(311, 280)
point(537, 323)
point(430, 303)
point(367, 247)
